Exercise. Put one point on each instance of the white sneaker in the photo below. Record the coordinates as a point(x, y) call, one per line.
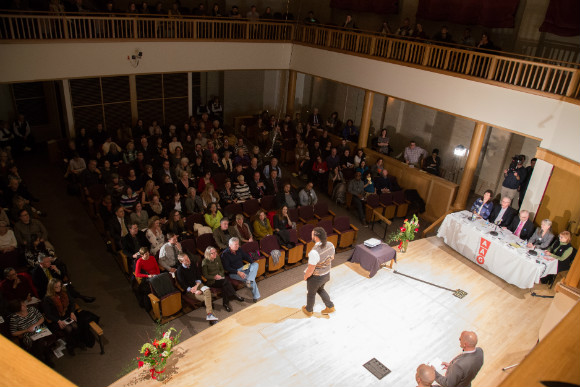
point(211, 317)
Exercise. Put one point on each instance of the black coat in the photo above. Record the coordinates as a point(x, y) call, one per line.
point(526, 232)
point(507, 217)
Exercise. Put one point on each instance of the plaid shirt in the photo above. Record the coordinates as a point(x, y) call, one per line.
point(413, 155)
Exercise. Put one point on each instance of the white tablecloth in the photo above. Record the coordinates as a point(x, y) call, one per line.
point(495, 254)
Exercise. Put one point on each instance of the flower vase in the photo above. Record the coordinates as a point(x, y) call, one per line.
point(158, 374)
point(404, 246)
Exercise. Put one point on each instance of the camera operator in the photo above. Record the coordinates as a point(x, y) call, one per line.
point(514, 176)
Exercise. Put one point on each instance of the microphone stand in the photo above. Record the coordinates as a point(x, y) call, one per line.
point(494, 232)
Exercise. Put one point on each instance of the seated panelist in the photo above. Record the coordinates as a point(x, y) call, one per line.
point(522, 227)
point(483, 206)
point(502, 215)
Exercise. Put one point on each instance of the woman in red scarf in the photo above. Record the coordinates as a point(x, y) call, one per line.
point(58, 307)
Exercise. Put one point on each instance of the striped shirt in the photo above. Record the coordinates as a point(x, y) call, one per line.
point(19, 323)
point(243, 191)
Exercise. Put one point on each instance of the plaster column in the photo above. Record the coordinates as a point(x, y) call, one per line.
point(291, 96)
point(470, 166)
point(365, 123)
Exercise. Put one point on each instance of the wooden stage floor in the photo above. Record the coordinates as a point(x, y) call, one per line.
point(398, 321)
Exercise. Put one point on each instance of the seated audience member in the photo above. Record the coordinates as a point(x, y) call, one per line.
point(175, 203)
point(320, 173)
point(167, 189)
point(257, 186)
point(44, 271)
point(166, 171)
point(146, 265)
point(184, 183)
point(333, 123)
point(273, 183)
point(228, 195)
point(350, 132)
point(213, 216)
point(238, 171)
point(90, 176)
point(522, 227)
point(242, 190)
point(369, 186)
point(169, 252)
point(542, 237)
point(8, 241)
point(262, 226)
point(155, 208)
point(233, 260)
point(483, 206)
point(307, 196)
point(346, 160)
point(287, 197)
point(222, 234)
point(176, 224)
point(214, 273)
point(206, 179)
point(227, 163)
point(425, 376)
point(193, 203)
point(241, 230)
point(359, 157)
point(128, 199)
point(76, 166)
point(443, 36)
point(362, 168)
point(414, 153)
point(27, 228)
point(58, 307)
point(431, 164)
point(209, 196)
point(273, 166)
point(189, 277)
point(339, 186)
point(198, 169)
point(383, 183)
point(252, 169)
point(155, 235)
point(356, 188)
point(140, 217)
point(15, 286)
point(502, 215)
point(149, 190)
point(315, 119)
point(117, 226)
point(302, 157)
point(132, 243)
point(24, 321)
point(383, 142)
point(464, 368)
point(282, 222)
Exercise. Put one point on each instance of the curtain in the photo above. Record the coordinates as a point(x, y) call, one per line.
point(487, 13)
point(375, 6)
point(562, 18)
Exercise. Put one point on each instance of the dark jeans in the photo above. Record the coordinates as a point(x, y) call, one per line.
point(315, 284)
point(359, 207)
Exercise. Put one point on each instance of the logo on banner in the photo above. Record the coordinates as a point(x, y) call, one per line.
point(482, 252)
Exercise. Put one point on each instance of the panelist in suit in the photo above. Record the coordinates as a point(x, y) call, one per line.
point(502, 215)
point(522, 227)
point(465, 366)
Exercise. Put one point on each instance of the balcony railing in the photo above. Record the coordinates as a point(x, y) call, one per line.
point(555, 79)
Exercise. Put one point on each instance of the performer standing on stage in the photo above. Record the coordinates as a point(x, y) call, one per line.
point(318, 272)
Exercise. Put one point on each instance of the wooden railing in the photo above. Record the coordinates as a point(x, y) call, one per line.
point(538, 75)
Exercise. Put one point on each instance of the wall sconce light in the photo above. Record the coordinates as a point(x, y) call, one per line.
point(460, 151)
point(135, 57)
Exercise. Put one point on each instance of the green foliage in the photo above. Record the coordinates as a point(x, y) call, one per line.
point(407, 232)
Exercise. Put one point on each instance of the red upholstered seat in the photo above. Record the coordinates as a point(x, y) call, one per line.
point(233, 209)
point(346, 231)
point(250, 207)
point(268, 202)
point(321, 211)
point(296, 253)
point(306, 215)
point(331, 236)
point(372, 203)
point(401, 202)
point(203, 241)
point(255, 247)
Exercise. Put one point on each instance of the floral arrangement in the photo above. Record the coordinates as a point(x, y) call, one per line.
point(405, 233)
point(155, 353)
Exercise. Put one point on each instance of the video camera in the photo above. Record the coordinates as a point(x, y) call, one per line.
point(516, 159)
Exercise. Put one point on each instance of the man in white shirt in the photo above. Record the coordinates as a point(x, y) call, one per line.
point(318, 272)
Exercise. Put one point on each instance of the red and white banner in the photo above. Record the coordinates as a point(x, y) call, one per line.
point(482, 252)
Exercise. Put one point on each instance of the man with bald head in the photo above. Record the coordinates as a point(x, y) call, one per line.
point(465, 366)
point(522, 227)
point(425, 376)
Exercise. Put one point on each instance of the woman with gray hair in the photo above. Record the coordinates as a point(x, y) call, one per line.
point(542, 237)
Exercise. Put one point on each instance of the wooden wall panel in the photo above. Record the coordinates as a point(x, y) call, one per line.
point(560, 203)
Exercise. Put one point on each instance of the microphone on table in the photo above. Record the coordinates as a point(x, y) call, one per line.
point(494, 232)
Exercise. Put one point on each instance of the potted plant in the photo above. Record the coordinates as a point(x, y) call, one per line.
point(405, 233)
point(154, 354)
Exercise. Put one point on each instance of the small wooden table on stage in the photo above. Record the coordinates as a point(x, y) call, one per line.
point(372, 259)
